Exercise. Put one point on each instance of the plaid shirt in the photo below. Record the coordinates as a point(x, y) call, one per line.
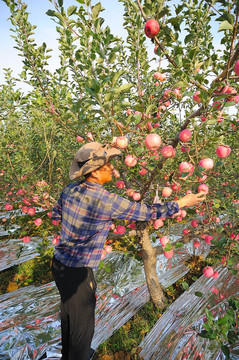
point(86, 211)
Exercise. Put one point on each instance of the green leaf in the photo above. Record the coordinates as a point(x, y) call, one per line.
point(209, 315)
point(225, 25)
point(7, 2)
point(50, 13)
point(223, 320)
point(137, 117)
point(229, 103)
point(112, 57)
point(71, 10)
point(208, 329)
point(59, 16)
point(226, 16)
point(23, 74)
point(188, 38)
point(117, 75)
point(107, 105)
point(185, 285)
point(108, 97)
point(203, 334)
point(150, 108)
point(60, 3)
point(212, 122)
point(139, 108)
point(120, 106)
point(178, 245)
point(93, 85)
point(122, 89)
point(96, 10)
point(225, 351)
point(184, 174)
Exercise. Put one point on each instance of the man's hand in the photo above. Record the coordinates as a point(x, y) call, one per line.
point(191, 199)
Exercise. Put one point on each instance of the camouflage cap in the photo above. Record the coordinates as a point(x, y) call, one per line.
point(91, 156)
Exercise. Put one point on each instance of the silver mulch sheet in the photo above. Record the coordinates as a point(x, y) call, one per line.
point(29, 316)
point(14, 252)
point(175, 335)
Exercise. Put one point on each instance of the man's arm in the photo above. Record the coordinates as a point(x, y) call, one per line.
point(125, 209)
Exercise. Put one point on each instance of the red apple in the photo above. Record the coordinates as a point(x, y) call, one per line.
point(167, 191)
point(151, 28)
point(208, 271)
point(183, 213)
point(108, 249)
point(38, 221)
point(196, 97)
point(207, 164)
point(103, 255)
point(168, 151)
point(164, 240)
point(129, 192)
point(136, 196)
point(156, 75)
point(120, 229)
point(120, 184)
point(208, 239)
point(24, 209)
point(26, 239)
point(158, 223)
point(31, 211)
point(196, 243)
point(130, 160)
point(79, 139)
point(121, 142)
point(236, 68)
point(194, 223)
point(176, 186)
point(185, 135)
point(168, 254)
point(223, 151)
point(153, 141)
point(8, 206)
point(55, 241)
point(203, 187)
point(186, 167)
point(143, 171)
point(162, 77)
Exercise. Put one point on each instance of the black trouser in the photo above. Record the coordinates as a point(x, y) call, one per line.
point(77, 290)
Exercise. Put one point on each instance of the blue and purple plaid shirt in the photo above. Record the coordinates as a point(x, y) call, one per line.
point(86, 211)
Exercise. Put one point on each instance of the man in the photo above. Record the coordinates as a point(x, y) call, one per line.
point(86, 210)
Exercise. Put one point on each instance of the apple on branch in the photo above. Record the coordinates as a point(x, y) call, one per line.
point(151, 28)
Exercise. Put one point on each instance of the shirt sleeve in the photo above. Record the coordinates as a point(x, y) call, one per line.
point(125, 209)
point(57, 210)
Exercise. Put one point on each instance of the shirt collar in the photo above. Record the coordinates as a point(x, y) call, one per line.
point(93, 184)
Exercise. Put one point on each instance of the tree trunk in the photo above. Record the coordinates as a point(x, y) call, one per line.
point(149, 259)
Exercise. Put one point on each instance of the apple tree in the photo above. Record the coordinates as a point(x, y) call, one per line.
point(175, 117)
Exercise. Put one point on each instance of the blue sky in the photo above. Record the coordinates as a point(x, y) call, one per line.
point(45, 31)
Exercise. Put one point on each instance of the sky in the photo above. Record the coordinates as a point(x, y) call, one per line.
point(45, 31)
